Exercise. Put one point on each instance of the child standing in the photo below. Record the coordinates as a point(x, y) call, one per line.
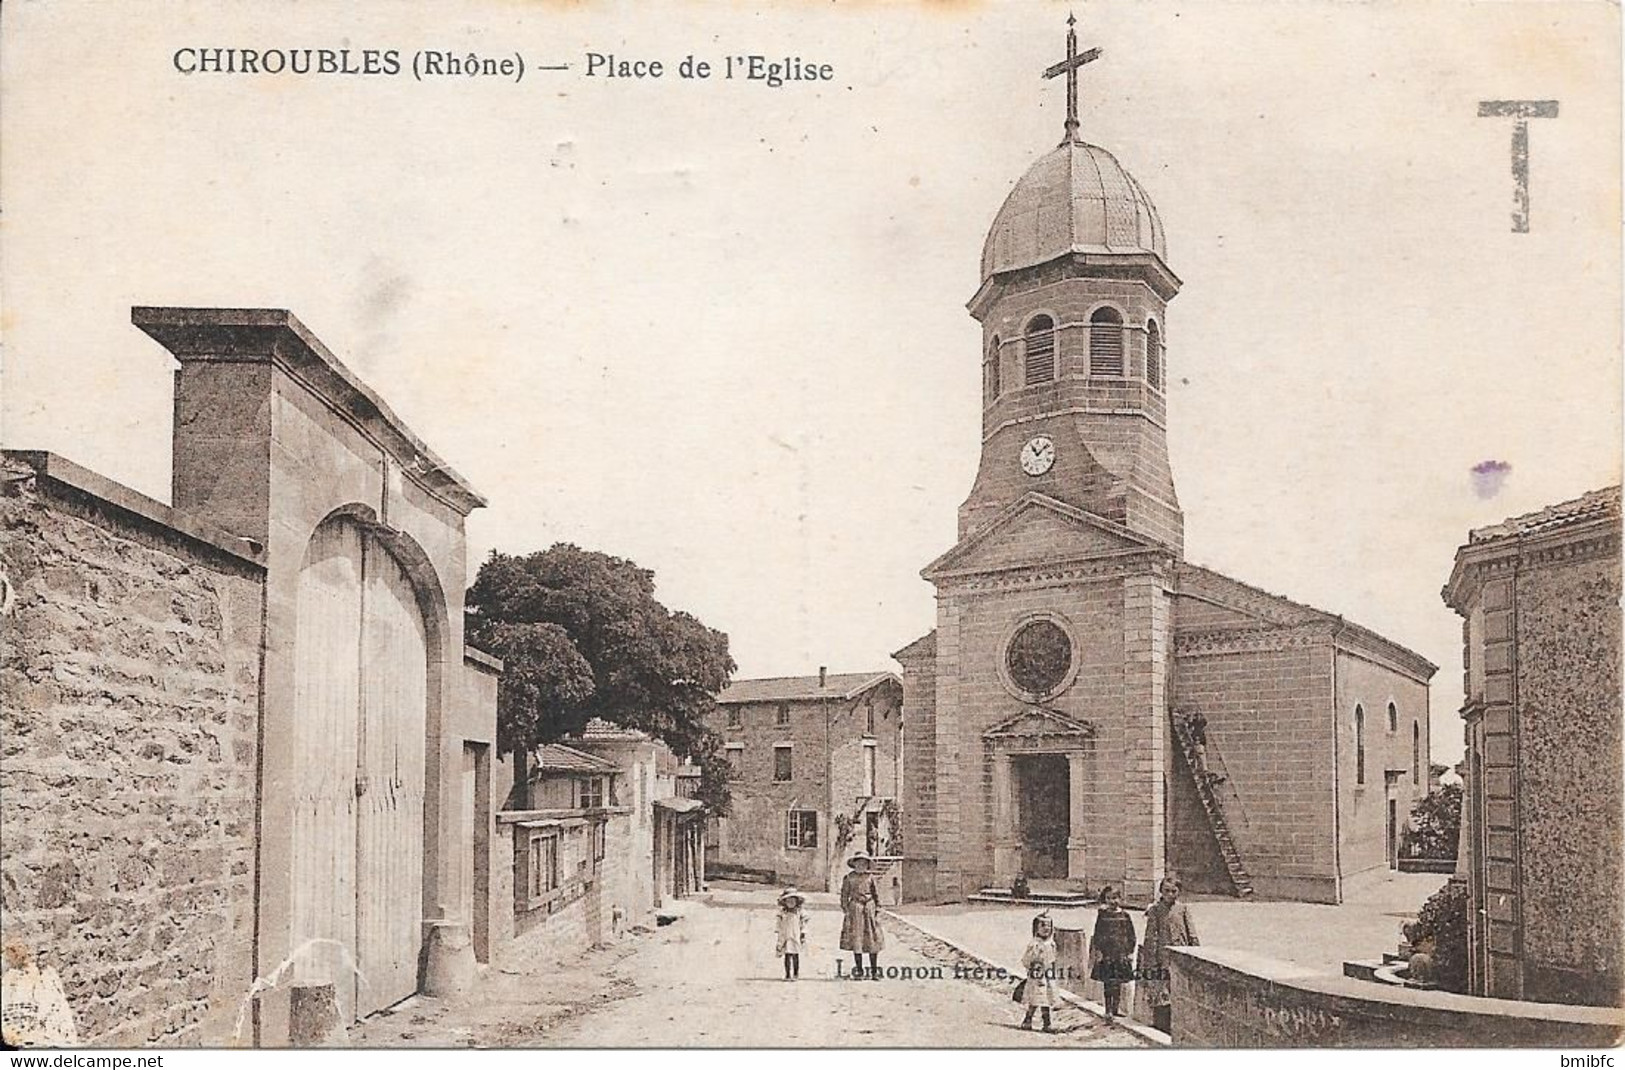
point(792, 932)
point(1113, 948)
point(1038, 990)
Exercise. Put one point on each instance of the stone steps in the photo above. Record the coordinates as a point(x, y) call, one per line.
point(1037, 899)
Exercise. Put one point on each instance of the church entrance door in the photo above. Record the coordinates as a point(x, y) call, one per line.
point(1044, 804)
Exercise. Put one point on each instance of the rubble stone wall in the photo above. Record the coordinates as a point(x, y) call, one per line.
point(129, 681)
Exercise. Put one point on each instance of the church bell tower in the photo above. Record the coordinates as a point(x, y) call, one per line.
point(1073, 307)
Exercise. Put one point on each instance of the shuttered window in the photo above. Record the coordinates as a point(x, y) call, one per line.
point(1153, 355)
point(1106, 342)
point(1040, 339)
point(993, 385)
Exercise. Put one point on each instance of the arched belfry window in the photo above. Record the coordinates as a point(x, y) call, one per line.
point(1393, 717)
point(1106, 342)
point(1153, 355)
point(993, 384)
point(1359, 745)
point(1040, 339)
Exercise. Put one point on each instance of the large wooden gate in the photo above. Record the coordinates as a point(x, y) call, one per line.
point(361, 694)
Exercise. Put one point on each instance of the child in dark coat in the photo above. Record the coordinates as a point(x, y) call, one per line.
point(1113, 948)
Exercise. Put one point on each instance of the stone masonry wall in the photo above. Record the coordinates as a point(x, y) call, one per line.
point(1364, 821)
point(1267, 713)
point(1094, 613)
point(128, 692)
point(1224, 998)
point(919, 788)
point(753, 834)
point(1569, 783)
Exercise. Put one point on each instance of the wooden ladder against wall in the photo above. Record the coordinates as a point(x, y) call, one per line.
point(1204, 782)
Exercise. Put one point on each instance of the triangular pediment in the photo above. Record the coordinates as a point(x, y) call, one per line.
point(1037, 530)
point(1035, 722)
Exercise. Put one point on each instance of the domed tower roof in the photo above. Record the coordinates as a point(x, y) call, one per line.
point(1076, 198)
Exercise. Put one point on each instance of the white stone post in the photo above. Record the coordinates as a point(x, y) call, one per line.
point(1006, 845)
point(1075, 818)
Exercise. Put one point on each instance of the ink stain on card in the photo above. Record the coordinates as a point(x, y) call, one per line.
point(1489, 477)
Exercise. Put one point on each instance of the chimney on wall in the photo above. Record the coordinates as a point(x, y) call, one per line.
point(823, 676)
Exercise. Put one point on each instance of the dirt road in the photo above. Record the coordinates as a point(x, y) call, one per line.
point(712, 980)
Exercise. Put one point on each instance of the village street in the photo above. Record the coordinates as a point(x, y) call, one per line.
point(711, 979)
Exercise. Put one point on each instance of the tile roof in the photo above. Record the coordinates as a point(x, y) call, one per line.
point(601, 731)
point(557, 758)
point(1593, 506)
point(842, 685)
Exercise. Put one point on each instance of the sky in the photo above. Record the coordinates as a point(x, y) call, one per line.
point(719, 327)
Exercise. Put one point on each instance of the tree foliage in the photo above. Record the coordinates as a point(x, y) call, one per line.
point(582, 636)
point(1440, 932)
point(1435, 824)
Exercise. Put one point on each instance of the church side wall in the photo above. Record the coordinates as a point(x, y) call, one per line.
point(1363, 820)
point(129, 713)
point(1266, 699)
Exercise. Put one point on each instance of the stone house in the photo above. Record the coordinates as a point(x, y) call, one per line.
point(244, 742)
point(597, 839)
point(1541, 813)
point(1050, 711)
point(815, 773)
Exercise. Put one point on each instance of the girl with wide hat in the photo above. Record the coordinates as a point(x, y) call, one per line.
point(860, 916)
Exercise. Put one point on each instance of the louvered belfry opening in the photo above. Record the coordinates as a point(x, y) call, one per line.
point(1106, 342)
point(1153, 355)
point(993, 384)
point(1040, 340)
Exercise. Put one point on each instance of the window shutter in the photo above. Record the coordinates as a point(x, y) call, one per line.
point(1040, 347)
point(1106, 342)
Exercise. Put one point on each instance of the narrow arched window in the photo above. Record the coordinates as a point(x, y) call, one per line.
point(1153, 355)
point(1393, 717)
point(993, 369)
point(1106, 342)
point(1359, 745)
point(1040, 339)
point(1416, 752)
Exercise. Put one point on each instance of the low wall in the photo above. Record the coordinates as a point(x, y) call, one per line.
point(1427, 865)
point(1232, 999)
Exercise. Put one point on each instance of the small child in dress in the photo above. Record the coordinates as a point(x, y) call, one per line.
point(792, 932)
point(1113, 949)
point(1038, 990)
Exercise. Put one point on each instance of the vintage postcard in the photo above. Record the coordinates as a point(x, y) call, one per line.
point(788, 525)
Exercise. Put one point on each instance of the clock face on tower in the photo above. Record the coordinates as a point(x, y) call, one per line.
point(1038, 456)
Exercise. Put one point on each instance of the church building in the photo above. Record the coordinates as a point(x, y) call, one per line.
point(1091, 708)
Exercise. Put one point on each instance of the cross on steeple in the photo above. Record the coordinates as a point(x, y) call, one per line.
point(1069, 66)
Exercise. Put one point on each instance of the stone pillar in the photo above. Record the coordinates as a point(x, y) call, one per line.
point(1075, 838)
point(1145, 647)
point(952, 850)
point(1006, 844)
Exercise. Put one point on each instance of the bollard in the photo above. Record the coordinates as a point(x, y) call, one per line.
point(449, 965)
point(1072, 959)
